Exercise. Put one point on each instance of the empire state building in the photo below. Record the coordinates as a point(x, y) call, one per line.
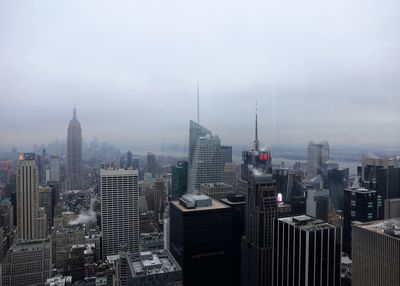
point(74, 155)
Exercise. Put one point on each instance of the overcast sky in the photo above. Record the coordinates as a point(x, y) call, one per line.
point(330, 67)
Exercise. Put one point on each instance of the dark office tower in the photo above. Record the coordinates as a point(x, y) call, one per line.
point(159, 198)
point(318, 203)
point(39, 164)
point(392, 208)
point(201, 240)
point(44, 167)
point(45, 200)
point(74, 155)
point(376, 253)
point(179, 179)
point(122, 162)
point(135, 164)
point(307, 251)
point(226, 155)
point(298, 205)
point(257, 244)
point(288, 183)
point(336, 182)
point(382, 175)
point(238, 210)
point(151, 164)
point(360, 205)
point(388, 183)
point(80, 263)
point(128, 159)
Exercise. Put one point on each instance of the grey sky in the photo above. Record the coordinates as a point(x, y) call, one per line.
point(132, 69)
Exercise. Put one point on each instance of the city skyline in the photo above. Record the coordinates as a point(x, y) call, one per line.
point(338, 79)
point(190, 143)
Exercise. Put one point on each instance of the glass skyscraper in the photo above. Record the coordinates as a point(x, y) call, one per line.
point(204, 157)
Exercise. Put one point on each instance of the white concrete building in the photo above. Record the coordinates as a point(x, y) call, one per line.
point(119, 210)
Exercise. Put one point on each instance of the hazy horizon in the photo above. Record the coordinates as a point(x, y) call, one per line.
point(318, 69)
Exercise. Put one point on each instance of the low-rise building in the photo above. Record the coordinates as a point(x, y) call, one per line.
point(158, 268)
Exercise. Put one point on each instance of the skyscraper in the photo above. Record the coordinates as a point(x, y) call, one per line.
point(201, 239)
point(204, 157)
point(195, 132)
point(307, 251)
point(382, 175)
point(392, 208)
point(179, 179)
point(159, 197)
point(376, 253)
point(255, 158)
point(226, 155)
point(151, 164)
point(27, 197)
point(74, 154)
point(45, 200)
point(119, 210)
point(317, 154)
point(257, 244)
point(360, 205)
point(54, 168)
point(229, 175)
point(318, 203)
point(129, 159)
point(336, 181)
point(238, 210)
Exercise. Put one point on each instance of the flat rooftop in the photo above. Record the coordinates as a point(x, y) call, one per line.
point(118, 172)
point(152, 263)
point(30, 245)
point(216, 185)
point(307, 223)
point(361, 190)
point(388, 227)
point(215, 205)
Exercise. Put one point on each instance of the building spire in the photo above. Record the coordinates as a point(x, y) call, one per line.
point(256, 141)
point(74, 111)
point(198, 103)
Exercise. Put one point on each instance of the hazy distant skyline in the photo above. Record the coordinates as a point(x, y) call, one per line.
point(131, 67)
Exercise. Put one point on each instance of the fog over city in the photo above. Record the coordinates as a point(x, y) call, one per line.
point(327, 69)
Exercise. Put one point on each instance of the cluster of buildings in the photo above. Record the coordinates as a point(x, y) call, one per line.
point(205, 221)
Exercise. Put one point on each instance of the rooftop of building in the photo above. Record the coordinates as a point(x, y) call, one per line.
point(260, 175)
point(59, 280)
point(389, 227)
point(216, 185)
point(283, 205)
point(152, 262)
point(30, 245)
point(234, 199)
point(151, 236)
point(307, 223)
point(118, 171)
point(193, 203)
point(88, 247)
point(360, 190)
